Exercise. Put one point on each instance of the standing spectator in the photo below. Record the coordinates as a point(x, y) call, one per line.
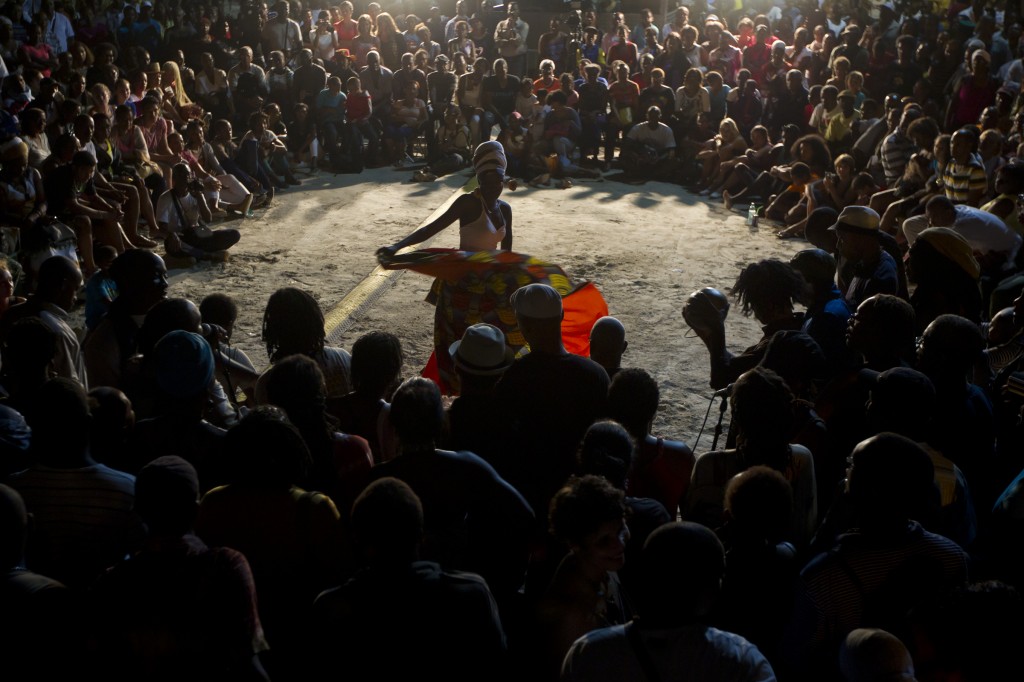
point(282, 33)
point(392, 42)
point(309, 79)
point(58, 32)
point(510, 38)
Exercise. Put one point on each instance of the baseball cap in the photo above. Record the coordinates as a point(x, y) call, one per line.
point(539, 301)
point(859, 219)
point(482, 351)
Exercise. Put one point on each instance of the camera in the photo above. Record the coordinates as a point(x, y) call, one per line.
point(195, 186)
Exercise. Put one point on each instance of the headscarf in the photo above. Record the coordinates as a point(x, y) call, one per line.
point(489, 156)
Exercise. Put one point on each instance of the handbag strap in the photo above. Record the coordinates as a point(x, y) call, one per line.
point(640, 649)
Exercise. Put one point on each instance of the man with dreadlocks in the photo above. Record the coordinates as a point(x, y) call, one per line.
point(768, 290)
point(293, 324)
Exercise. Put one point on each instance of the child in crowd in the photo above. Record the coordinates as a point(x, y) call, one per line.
point(358, 109)
point(302, 144)
point(100, 290)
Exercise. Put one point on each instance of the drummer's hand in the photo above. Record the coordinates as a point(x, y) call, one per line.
point(385, 253)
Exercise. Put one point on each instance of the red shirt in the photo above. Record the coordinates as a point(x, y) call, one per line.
point(357, 106)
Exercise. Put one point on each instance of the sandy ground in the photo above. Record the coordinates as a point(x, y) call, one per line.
point(646, 247)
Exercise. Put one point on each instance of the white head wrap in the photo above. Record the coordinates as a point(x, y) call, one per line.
point(489, 156)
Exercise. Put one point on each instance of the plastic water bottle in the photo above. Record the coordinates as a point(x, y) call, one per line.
point(752, 215)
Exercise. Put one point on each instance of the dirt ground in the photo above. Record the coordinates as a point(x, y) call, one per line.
point(645, 247)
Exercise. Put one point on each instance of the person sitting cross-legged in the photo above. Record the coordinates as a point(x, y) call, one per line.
point(183, 212)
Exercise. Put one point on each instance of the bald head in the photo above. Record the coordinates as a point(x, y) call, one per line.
point(607, 342)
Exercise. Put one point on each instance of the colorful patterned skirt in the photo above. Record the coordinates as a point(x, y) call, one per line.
point(473, 287)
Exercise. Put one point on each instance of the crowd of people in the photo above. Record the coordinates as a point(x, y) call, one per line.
point(170, 509)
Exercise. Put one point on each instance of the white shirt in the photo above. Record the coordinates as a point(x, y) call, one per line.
point(660, 138)
point(986, 233)
point(67, 361)
point(167, 213)
point(686, 654)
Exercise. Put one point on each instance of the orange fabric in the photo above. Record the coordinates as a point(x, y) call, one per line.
point(582, 307)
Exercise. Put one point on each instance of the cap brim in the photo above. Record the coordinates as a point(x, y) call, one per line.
point(846, 227)
point(470, 368)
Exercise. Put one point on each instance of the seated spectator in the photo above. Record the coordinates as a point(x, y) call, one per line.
point(141, 279)
point(294, 324)
point(293, 538)
point(73, 199)
point(942, 265)
point(722, 149)
point(182, 212)
point(607, 450)
point(407, 120)
point(270, 152)
point(38, 611)
point(331, 105)
point(588, 517)
point(224, 191)
point(875, 271)
point(963, 179)
point(176, 608)
point(681, 578)
point(376, 370)
point(882, 569)
point(448, 619)
point(339, 462)
point(736, 173)
point(476, 421)
point(57, 285)
point(764, 422)
point(607, 344)
point(903, 401)
point(662, 467)
point(871, 654)
point(768, 289)
point(839, 131)
point(474, 519)
point(82, 511)
point(995, 246)
point(649, 150)
point(761, 567)
point(828, 313)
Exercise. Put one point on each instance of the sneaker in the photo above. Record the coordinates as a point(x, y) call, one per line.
point(704, 192)
point(715, 195)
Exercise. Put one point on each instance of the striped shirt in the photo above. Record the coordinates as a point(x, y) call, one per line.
point(896, 151)
point(960, 179)
point(84, 520)
point(836, 586)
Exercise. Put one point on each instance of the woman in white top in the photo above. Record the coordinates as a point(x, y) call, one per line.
point(323, 39)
